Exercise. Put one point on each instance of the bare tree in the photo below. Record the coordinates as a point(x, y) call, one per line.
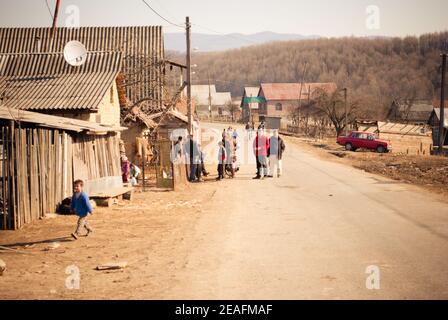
point(233, 109)
point(333, 106)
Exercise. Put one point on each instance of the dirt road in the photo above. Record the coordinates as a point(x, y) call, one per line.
point(310, 234)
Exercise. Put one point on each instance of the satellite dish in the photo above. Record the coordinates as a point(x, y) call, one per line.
point(75, 53)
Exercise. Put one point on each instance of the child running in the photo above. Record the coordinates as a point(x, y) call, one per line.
point(82, 207)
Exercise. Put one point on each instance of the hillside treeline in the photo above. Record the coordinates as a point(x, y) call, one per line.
point(376, 71)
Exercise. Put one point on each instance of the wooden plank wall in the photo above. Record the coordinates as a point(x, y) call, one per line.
point(37, 169)
point(96, 156)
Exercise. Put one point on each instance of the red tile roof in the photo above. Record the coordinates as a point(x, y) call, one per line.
point(290, 91)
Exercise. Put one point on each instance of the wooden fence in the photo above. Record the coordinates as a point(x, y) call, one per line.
point(37, 168)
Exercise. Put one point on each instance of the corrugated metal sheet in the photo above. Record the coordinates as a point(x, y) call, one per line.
point(49, 121)
point(291, 91)
point(142, 48)
point(41, 81)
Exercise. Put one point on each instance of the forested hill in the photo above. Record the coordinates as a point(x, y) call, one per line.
point(376, 71)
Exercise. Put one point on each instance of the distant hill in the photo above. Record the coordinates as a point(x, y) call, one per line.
point(210, 42)
point(375, 70)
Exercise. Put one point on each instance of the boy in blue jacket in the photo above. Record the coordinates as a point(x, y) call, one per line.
point(82, 207)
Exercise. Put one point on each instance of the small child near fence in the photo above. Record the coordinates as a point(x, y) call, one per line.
point(81, 206)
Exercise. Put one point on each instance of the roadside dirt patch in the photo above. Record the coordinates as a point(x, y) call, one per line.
point(430, 172)
point(151, 236)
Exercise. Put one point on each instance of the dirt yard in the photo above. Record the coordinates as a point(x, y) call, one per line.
point(430, 172)
point(151, 236)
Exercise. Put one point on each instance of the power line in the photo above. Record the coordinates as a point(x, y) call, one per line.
point(162, 17)
point(49, 9)
point(224, 34)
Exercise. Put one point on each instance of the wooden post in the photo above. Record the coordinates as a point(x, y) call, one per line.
point(209, 97)
point(442, 106)
point(143, 166)
point(188, 60)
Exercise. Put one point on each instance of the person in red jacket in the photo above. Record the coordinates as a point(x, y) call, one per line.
point(261, 147)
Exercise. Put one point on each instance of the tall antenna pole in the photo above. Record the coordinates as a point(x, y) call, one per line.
point(55, 18)
point(190, 115)
point(442, 106)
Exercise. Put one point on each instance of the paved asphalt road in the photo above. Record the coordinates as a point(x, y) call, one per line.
point(313, 233)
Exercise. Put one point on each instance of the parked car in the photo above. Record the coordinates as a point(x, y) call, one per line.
point(364, 140)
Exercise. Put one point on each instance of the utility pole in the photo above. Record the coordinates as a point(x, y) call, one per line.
point(442, 107)
point(209, 97)
point(345, 106)
point(190, 115)
point(250, 109)
point(300, 92)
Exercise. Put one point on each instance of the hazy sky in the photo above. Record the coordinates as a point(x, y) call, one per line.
point(310, 17)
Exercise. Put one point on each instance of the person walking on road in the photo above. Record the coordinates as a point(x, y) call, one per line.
point(260, 147)
point(276, 149)
point(221, 160)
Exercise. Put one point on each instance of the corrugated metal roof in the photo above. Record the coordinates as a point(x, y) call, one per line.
point(49, 121)
point(291, 91)
point(141, 46)
point(44, 81)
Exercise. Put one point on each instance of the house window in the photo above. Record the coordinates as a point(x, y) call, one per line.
point(278, 107)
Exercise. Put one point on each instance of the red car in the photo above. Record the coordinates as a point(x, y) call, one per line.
point(364, 140)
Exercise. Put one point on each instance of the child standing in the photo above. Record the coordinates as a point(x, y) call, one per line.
point(221, 160)
point(82, 207)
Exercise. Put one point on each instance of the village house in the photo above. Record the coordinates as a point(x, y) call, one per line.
point(406, 138)
point(281, 99)
point(415, 112)
point(249, 104)
point(434, 122)
point(142, 48)
point(204, 95)
point(42, 155)
point(46, 83)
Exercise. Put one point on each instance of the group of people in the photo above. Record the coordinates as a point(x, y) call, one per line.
point(268, 152)
point(129, 171)
point(194, 155)
point(227, 159)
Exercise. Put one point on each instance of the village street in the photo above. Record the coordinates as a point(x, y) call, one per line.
point(308, 235)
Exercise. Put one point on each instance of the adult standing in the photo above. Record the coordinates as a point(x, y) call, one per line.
point(192, 153)
point(261, 146)
point(228, 146)
point(276, 148)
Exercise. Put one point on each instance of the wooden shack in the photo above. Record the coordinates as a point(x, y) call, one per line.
point(405, 138)
point(41, 156)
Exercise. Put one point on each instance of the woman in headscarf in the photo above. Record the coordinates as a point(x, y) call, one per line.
point(125, 169)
